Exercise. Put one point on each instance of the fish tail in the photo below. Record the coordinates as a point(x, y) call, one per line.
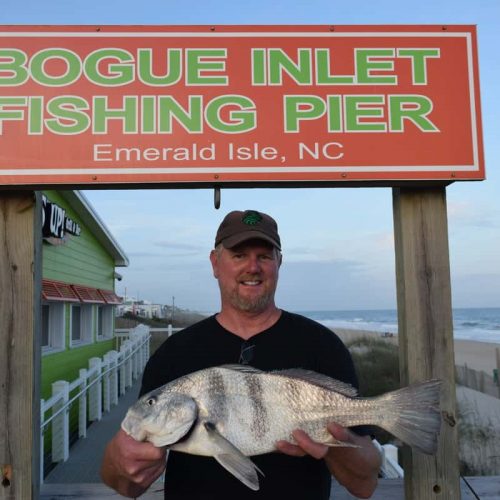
point(412, 414)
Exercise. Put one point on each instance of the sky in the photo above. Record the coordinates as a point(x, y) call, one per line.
point(338, 246)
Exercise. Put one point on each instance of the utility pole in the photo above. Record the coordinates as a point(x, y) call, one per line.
point(172, 316)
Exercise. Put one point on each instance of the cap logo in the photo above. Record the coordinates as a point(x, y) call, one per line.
point(251, 218)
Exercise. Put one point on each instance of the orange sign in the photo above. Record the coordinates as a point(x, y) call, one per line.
point(215, 105)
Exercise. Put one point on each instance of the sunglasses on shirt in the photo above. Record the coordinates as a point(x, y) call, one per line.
point(246, 353)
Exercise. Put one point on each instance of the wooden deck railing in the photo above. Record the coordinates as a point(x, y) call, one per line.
point(97, 390)
point(478, 380)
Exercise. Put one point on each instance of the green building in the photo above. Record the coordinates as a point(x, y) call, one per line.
point(80, 257)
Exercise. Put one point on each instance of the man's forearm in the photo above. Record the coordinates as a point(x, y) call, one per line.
point(356, 468)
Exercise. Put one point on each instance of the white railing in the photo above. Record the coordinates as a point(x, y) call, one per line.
point(121, 334)
point(99, 388)
point(390, 467)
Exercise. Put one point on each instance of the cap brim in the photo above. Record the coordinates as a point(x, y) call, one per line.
point(237, 239)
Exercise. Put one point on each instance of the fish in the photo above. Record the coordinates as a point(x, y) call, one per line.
point(232, 412)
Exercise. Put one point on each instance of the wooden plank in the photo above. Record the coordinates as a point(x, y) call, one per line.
point(497, 353)
point(92, 492)
point(20, 279)
point(483, 487)
point(426, 330)
point(388, 489)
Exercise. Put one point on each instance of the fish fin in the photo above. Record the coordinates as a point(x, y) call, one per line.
point(241, 368)
point(319, 380)
point(233, 460)
point(334, 443)
point(417, 420)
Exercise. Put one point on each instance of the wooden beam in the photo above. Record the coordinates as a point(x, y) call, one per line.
point(426, 330)
point(20, 279)
point(497, 353)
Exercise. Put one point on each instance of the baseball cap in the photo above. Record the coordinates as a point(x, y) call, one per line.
point(239, 226)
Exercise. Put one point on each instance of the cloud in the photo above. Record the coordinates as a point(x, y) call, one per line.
point(175, 245)
point(140, 254)
point(475, 289)
point(334, 284)
point(467, 213)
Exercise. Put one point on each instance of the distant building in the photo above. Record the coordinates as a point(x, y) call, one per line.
point(141, 308)
point(79, 256)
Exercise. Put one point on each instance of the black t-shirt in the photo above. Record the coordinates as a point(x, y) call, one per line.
point(292, 342)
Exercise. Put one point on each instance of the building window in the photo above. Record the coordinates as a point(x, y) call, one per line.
point(81, 324)
point(52, 327)
point(104, 322)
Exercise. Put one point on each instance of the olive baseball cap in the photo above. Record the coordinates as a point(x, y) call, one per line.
point(239, 226)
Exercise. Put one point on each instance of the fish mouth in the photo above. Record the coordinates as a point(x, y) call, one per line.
point(187, 435)
point(132, 428)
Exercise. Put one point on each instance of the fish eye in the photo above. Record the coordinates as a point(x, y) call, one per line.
point(151, 401)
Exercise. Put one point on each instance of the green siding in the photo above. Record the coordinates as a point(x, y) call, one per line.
point(65, 365)
point(81, 260)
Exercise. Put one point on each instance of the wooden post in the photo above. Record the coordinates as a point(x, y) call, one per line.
point(497, 352)
point(20, 282)
point(123, 369)
point(426, 330)
point(95, 392)
point(60, 424)
point(106, 382)
point(82, 404)
point(113, 355)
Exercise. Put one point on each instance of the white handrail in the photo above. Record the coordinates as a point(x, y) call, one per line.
point(127, 364)
point(390, 467)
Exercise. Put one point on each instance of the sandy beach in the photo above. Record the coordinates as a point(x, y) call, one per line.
point(476, 355)
point(478, 413)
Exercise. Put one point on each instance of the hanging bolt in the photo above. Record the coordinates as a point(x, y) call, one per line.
point(6, 475)
point(449, 418)
point(217, 197)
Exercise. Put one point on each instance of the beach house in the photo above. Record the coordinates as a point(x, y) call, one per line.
point(80, 257)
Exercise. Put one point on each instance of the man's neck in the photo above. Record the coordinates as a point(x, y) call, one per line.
point(247, 324)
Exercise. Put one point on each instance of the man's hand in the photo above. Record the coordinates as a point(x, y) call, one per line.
point(355, 468)
point(129, 466)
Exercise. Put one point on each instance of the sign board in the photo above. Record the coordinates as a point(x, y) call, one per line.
point(56, 224)
point(200, 104)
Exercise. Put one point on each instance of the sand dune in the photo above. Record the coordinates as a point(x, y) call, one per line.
point(478, 413)
point(477, 355)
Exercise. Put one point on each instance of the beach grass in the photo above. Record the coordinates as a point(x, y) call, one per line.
point(376, 360)
point(377, 365)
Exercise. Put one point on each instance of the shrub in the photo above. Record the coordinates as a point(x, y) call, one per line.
point(377, 366)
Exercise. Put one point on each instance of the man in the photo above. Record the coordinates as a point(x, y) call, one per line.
point(249, 329)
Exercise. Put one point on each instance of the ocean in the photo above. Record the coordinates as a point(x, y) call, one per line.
point(481, 324)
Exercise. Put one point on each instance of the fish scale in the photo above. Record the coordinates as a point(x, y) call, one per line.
point(232, 412)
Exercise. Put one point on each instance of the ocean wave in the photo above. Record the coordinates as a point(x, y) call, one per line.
point(469, 324)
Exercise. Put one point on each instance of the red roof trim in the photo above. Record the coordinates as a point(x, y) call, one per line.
point(88, 295)
point(64, 292)
point(110, 297)
point(58, 291)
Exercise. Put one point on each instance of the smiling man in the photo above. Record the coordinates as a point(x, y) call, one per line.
point(249, 329)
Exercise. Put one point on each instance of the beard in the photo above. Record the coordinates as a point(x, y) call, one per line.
point(252, 304)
